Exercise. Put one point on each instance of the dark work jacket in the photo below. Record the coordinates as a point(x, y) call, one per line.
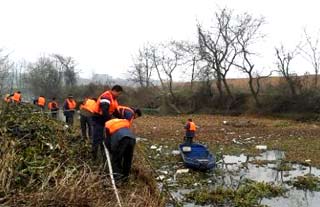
point(119, 135)
point(101, 119)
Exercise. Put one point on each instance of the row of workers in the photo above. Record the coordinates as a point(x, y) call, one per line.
point(68, 106)
point(108, 123)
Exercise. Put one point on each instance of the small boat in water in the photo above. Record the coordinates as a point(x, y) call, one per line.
point(197, 156)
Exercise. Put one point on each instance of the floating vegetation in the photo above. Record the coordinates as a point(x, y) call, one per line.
point(248, 193)
point(308, 182)
point(284, 166)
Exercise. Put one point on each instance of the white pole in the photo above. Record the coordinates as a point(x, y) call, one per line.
point(111, 174)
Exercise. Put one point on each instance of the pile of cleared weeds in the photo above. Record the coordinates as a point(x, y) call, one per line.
point(43, 163)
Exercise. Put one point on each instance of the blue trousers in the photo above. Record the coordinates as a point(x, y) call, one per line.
point(98, 136)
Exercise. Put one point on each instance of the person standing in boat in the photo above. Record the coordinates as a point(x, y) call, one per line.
point(190, 128)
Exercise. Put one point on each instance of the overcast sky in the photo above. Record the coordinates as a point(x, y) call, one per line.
point(103, 35)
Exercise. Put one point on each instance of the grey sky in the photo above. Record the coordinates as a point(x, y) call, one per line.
point(103, 35)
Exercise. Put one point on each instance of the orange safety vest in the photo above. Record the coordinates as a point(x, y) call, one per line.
point(192, 126)
point(122, 110)
point(41, 101)
point(114, 125)
point(16, 97)
point(51, 103)
point(113, 103)
point(89, 105)
point(71, 104)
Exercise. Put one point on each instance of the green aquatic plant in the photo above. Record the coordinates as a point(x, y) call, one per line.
point(306, 183)
point(248, 194)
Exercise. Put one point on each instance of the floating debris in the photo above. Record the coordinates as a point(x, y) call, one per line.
point(261, 147)
point(161, 177)
point(164, 172)
point(139, 139)
point(180, 171)
point(175, 152)
point(235, 141)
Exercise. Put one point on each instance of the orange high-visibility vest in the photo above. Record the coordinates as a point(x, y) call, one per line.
point(113, 103)
point(89, 105)
point(192, 126)
point(114, 125)
point(71, 104)
point(41, 101)
point(16, 97)
point(122, 110)
point(51, 103)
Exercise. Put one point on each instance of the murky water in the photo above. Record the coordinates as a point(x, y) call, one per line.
point(231, 170)
point(295, 198)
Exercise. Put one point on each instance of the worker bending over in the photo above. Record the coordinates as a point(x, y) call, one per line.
point(105, 107)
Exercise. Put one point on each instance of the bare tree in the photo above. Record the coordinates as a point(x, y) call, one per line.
point(311, 53)
point(66, 65)
point(284, 59)
point(166, 59)
point(218, 47)
point(143, 67)
point(248, 33)
point(192, 61)
point(44, 78)
point(5, 66)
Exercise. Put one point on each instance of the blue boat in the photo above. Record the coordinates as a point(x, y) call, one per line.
point(197, 156)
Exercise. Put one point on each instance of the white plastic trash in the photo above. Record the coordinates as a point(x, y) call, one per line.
point(153, 147)
point(164, 172)
point(175, 152)
point(261, 147)
point(161, 177)
point(180, 171)
point(186, 149)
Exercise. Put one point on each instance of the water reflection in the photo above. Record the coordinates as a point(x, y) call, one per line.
point(234, 169)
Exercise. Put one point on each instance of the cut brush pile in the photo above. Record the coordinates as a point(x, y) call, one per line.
point(44, 163)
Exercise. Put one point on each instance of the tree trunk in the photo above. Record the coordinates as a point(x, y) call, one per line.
point(227, 87)
point(254, 92)
point(291, 86)
point(219, 86)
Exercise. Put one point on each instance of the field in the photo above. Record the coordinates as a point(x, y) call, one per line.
point(237, 134)
point(286, 174)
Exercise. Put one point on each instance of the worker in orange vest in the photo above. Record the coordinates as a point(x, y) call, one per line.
point(53, 107)
point(86, 112)
point(106, 106)
point(16, 97)
point(129, 113)
point(69, 107)
point(190, 128)
point(122, 146)
point(41, 102)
